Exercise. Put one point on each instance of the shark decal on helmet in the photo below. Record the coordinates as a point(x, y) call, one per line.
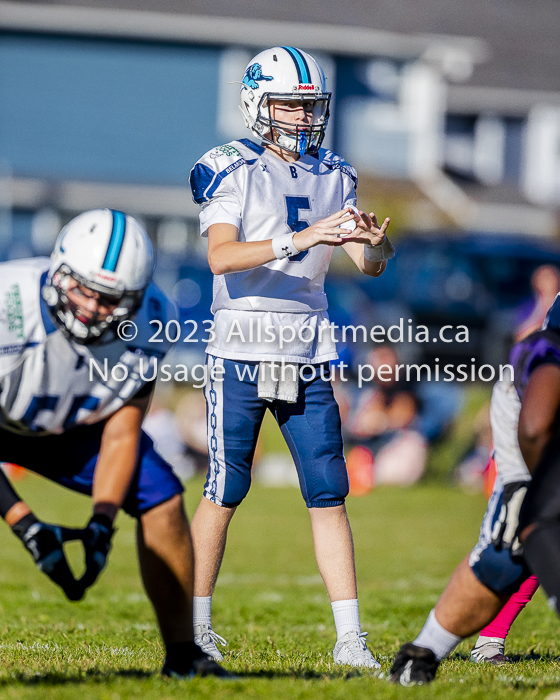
point(253, 74)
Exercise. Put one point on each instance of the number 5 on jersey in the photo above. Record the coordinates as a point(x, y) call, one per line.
point(293, 205)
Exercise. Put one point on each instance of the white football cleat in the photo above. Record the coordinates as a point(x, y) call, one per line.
point(206, 639)
point(490, 650)
point(351, 649)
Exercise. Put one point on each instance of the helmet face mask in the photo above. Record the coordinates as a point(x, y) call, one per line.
point(285, 75)
point(299, 137)
point(100, 268)
point(82, 325)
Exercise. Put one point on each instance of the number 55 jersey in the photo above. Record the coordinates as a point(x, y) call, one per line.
point(48, 383)
point(245, 185)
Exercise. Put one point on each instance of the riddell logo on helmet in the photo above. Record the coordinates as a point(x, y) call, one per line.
point(103, 276)
point(306, 86)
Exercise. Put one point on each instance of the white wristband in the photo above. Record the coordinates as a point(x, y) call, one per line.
point(283, 247)
point(381, 251)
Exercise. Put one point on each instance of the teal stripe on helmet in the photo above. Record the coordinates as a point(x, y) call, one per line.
point(116, 241)
point(304, 76)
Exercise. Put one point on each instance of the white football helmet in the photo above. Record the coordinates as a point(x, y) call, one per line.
point(288, 74)
point(109, 253)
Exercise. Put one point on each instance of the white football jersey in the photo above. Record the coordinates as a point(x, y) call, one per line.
point(244, 184)
point(47, 382)
point(505, 407)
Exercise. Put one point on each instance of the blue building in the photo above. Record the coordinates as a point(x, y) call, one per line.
point(110, 103)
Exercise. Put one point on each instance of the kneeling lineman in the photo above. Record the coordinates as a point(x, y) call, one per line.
point(84, 431)
point(520, 533)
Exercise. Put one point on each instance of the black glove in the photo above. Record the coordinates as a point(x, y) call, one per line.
point(504, 532)
point(44, 542)
point(96, 537)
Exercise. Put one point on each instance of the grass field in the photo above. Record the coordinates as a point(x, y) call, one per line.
point(270, 605)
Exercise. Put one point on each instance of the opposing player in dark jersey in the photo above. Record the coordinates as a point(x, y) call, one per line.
point(72, 399)
point(520, 533)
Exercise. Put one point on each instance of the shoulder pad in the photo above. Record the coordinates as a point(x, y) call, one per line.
point(214, 167)
point(20, 303)
point(242, 148)
point(332, 161)
point(542, 347)
point(156, 307)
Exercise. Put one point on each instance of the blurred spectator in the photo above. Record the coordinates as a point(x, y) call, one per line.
point(439, 404)
point(383, 422)
point(472, 470)
point(190, 416)
point(385, 406)
point(161, 425)
point(545, 284)
point(475, 470)
point(393, 423)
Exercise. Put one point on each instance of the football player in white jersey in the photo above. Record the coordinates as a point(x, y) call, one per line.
point(520, 532)
point(273, 210)
point(72, 399)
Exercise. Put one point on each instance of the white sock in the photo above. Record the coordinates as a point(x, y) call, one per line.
point(202, 606)
point(433, 636)
point(484, 640)
point(346, 617)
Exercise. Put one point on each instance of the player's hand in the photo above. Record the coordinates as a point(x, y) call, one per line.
point(96, 536)
point(325, 232)
point(504, 532)
point(367, 229)
point(44, 542)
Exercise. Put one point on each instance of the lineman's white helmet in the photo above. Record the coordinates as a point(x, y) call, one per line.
point(288, 74)
point(109, 253)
